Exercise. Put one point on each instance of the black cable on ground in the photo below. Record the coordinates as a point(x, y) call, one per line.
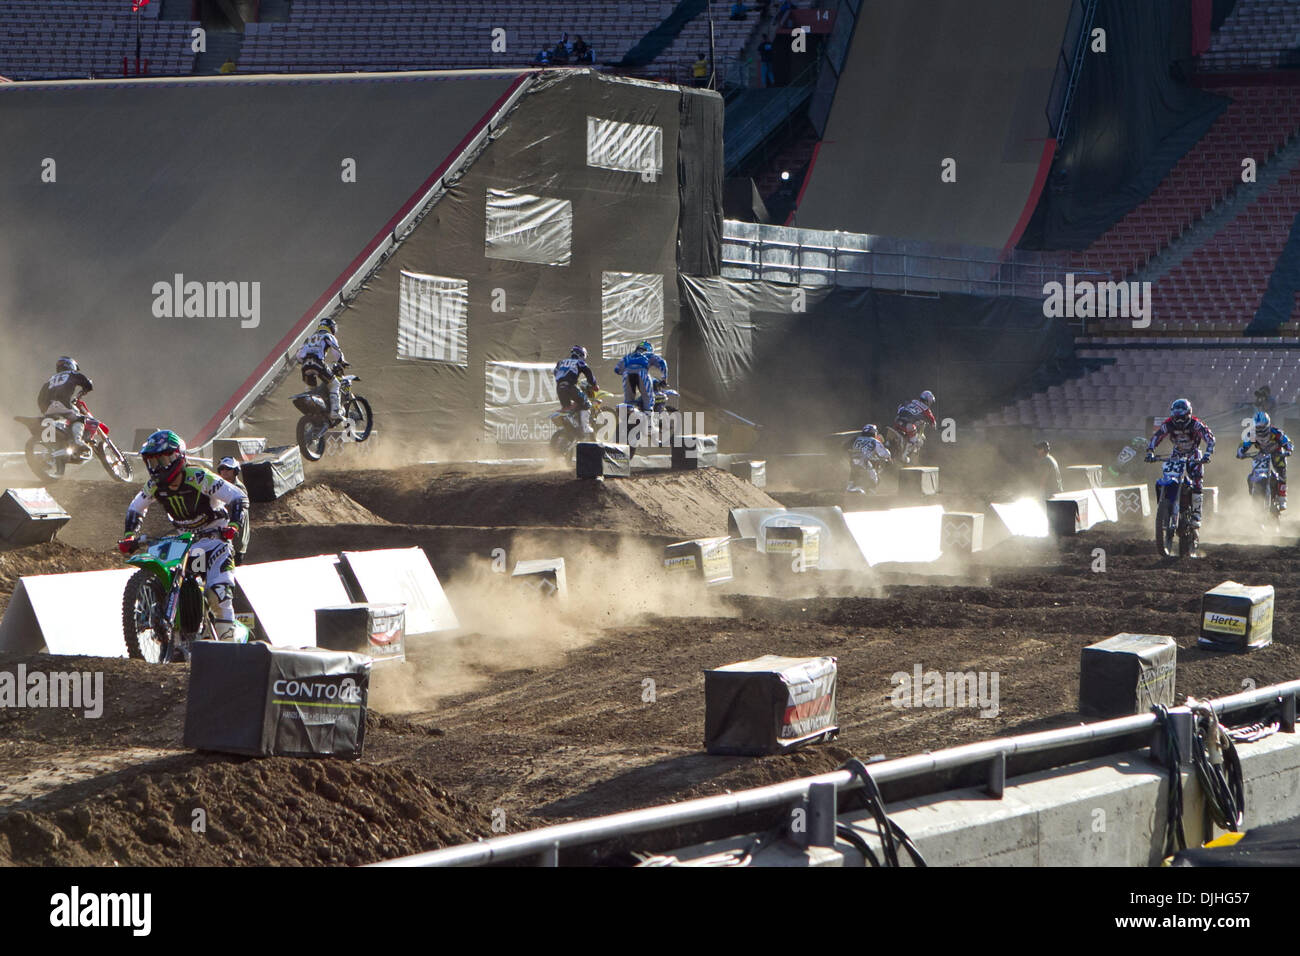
point(891, 834)
point(1174, 813)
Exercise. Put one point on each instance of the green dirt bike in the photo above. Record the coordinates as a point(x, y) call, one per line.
point(167, 605)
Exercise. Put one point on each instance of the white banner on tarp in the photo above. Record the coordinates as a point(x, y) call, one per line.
point(631, 309)
point(433, 319)
point(527, 228)
point(519, 402)
point(626, 147)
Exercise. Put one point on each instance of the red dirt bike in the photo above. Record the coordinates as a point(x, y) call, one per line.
point(904, 445)
point(51, 448)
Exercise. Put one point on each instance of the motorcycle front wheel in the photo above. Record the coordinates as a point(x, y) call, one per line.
point(312, 433)
point(42, 462)
point(146, 637)
point(363, 420)
point(1165, 527)
point(114, 462)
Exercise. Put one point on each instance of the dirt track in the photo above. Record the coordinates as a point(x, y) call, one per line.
point(543, 716)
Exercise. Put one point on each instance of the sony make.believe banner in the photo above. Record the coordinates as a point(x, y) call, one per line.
point(433, 319)
point(632, 310)
point(519, 402)
point(527, 228)
point(626, 147)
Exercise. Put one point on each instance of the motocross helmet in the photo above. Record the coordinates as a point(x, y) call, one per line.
point(645, 347)
point(869, 431)
point(65, 364)
point(328, 325)
point(1181, 410)
point(1262, 421)
point(164, 455)
point(928, 397)
point(230, 463)
point(578, 352)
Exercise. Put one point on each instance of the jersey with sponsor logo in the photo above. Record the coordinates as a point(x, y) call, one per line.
point(867, 449)
point(1273, 441)
point(322, 348)
point(1186, 436)
point(915, 412)
point(568, 370)
point(202, 500)
point(640, 363)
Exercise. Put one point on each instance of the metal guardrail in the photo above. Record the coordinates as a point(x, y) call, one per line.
point(545, 844)
point(810, 257)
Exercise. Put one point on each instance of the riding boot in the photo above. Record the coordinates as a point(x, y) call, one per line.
point(1194, 519)
point(225, 629)
point(584, 420)
point(78, 436)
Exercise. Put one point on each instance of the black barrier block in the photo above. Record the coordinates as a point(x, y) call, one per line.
point(29, 516)
point(240, 449)
point(754, 472)
point(267, 701)
point(695, 451)
point(375, 630)
point(769, 705)
point(1127, 674)
point(918, 481)
point(603, 460)
point(1237, 617)
point(273, 474)
point(706, 559)
point(1063, 516)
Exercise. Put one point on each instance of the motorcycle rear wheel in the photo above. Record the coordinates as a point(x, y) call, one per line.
point(312, 434)
point(146, 637)
point(42, 464)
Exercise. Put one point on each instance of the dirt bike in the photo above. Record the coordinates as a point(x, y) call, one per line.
point(314, 429)
point(568, 423)
point(1262, 484)
point(166, 605)
point(905, 446)
point(1174, 508)
point(51, 448)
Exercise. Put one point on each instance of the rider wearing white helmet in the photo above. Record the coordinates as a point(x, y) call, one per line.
point(1271, 441)
point(1186, 432)
point(322, 362)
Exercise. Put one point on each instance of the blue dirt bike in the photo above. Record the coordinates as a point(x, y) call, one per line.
point(1174, 506)
point(1262, 484)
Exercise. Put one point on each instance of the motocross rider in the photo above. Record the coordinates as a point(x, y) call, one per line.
point(912, 417)
point(1186, 432)
point(1126, 462)
point(197, 501)
point(228, 469)
point(65, 386)
point(867, 456)
point(322, 361)
point(567, 373)
point(1273, 442)
point(635, 369)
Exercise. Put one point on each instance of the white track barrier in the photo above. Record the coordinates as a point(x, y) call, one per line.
point(285, 594)
point(403, 576)
point(79, 613)
point(1026, 518)
point(899, 534)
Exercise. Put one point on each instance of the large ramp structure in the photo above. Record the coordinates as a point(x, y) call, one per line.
point(930, 80)
point(569, 226)
point(269, 193)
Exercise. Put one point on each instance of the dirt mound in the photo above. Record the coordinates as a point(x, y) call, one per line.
point(202, 810)
point(684, 504)
point(313, 504)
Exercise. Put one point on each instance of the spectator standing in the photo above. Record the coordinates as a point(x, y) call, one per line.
point(700, 71)
point(765, 56)
point(1049, 470)
point(581, 52)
